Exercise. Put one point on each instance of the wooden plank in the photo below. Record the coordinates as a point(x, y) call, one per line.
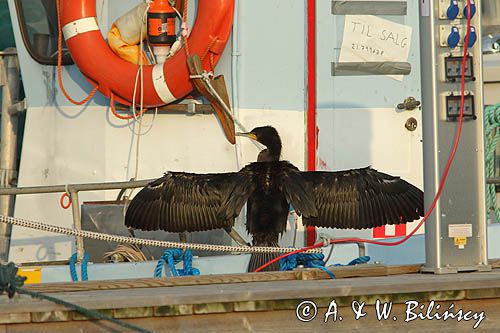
point(175, 108)
point(403, 269)
point(494, 263)
point(165, 282)
point(306, 274)
point(286, 320)
point(302, 274)
point(442, 286)
point(342, 272)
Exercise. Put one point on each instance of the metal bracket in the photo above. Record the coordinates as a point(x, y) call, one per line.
point(17, 108)
point(361, 247)
point(410, 103)
point(191, 108)
point(8, 178)
point(3, 79)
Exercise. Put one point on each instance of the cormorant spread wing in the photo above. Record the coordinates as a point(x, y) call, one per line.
point(358, 199)
point(179, 202)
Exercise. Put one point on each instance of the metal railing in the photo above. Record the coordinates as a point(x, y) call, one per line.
point(494, 181)
point(72, 190)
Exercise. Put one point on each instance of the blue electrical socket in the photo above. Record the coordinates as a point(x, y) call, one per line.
point(453, 37)
point(472, 37)
point(452, 11)
point(472, 9)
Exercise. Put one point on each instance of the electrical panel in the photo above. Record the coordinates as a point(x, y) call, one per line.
point(456, 231)
point(453, 104)
point(451, 18)
point(453, 68)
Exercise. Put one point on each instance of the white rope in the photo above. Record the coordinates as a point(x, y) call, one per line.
point(145, 242)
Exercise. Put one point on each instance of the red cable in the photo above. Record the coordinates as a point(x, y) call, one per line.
point(441, 184)
point(311, 99)
point(59, 62)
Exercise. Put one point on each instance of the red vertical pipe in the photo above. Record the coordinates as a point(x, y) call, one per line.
point(311, 99)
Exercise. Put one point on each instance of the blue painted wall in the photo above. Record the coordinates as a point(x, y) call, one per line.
point(273, 47)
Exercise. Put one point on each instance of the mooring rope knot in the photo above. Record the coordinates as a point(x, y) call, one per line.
point(308, 260)
point(314, 260)
point(9, 280)
point(171, 257)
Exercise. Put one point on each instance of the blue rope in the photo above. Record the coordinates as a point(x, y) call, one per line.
point(308, 260)
point(72, 267)
point(357, 261)
point(314, 260)
point(85, 261)
point(171, 257)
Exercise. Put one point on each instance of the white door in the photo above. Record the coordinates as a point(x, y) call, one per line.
point(358, 120)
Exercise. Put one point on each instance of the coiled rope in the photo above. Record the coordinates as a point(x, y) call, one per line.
point(171, 257)
point(11, 283)
point(492, 135)
point(315, 260)
point(145, 242)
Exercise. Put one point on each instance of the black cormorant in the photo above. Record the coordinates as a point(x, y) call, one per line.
point(356, 198)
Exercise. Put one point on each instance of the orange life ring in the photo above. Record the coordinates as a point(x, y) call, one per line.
point(163, 83)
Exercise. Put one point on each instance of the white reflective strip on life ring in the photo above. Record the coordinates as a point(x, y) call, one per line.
point(80, 26)
point(161, 85)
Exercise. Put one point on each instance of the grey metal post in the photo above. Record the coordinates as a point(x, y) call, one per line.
point(8, 141)
point(455, 233)
point(77, 221)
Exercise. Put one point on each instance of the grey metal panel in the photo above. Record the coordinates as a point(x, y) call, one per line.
point(370, 68)
point(108, 218)
point(463, 198)
point(372, 7)
point(225, 264)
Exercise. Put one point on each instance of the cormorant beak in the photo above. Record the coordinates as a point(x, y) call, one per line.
point(248, 135)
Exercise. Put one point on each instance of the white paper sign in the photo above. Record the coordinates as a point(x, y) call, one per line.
point(370, 38)
point(459, 230)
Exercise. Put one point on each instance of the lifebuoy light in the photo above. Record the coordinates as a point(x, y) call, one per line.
point(161, 28)
point(163, 83)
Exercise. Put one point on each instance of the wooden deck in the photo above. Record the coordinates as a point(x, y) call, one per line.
point(265, 302)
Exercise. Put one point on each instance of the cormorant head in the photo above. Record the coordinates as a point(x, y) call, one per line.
point(269, 137)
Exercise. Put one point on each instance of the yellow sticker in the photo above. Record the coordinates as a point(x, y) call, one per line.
point(460, 241)
point(32, 274)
